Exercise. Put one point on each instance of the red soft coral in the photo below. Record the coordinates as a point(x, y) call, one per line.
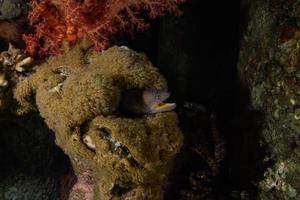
point(58, 20)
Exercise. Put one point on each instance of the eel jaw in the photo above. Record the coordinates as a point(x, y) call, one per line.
point(154, 99)
point(163, 107)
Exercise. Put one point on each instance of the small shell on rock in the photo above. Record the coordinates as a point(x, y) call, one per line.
point(297, 114)
point(57, 88)
point(21, 66)
point(3, 81)
point(89, 142)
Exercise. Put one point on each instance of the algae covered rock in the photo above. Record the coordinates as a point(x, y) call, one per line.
point(120, 155)
point(10, 9)
point(269, 66)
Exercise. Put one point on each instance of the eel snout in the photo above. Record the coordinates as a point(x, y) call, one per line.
point(155, 101)
point(147, 101)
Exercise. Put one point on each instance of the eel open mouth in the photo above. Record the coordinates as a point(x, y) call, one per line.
point(163, 107)
point(146, 101)
point(155, 99)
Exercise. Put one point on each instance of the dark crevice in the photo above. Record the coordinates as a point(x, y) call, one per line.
point(29, 157)
point(121, 190)
point(198, 53)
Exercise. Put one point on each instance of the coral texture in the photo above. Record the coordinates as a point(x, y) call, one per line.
point(79, 95)
point(56, 21)
point(83, 189)
point(13, 66)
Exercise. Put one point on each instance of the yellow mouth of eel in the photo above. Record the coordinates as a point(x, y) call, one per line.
point(163, 107)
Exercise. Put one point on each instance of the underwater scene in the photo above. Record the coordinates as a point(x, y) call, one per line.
point(149, 100)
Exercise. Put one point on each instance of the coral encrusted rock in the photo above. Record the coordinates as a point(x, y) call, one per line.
point(120, 155)
point(14, 66)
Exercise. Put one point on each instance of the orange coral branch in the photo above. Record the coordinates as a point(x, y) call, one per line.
point(58, 20)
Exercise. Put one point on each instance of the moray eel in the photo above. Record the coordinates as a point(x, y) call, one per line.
point(147, 101)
